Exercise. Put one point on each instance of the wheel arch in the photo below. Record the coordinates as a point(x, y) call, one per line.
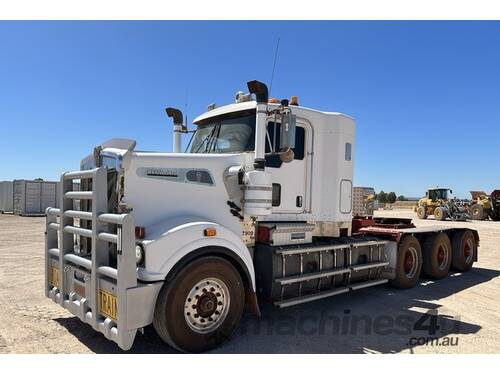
point(212, 250)
point(228, 255)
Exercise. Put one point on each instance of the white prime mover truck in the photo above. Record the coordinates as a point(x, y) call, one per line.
point(258, 210)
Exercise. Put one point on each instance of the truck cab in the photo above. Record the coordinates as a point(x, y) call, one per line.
point(435, 194)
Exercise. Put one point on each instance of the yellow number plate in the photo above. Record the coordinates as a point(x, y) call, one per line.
point(54, 276)
point(108, 304)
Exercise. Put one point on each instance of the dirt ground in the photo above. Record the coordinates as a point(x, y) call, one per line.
point(459, 314)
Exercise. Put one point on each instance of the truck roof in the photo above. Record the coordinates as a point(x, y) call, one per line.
point(236, 107)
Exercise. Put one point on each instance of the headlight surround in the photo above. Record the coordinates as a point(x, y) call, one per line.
point(139, 254)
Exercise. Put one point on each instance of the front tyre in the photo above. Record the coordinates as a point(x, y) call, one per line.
point(477, 212)
point(201, 307)
point(440, 213)
point(422, 212)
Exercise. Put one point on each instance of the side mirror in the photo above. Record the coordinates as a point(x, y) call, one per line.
point(451, 191)
point(288, 127)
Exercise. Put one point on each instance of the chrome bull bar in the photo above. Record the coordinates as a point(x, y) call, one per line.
point(77, 281)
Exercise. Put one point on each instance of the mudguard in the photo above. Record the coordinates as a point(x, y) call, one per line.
point(168, 242)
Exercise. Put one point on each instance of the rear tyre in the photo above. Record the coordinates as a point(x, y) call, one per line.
point(421, 212)
point(464, 250)
point(440, 213)
point(201, 307)
point(437, 254)
point(477, 212)
point(408, 264)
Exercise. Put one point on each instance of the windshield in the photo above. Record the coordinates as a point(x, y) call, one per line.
point(438, 194)
point(225, 134)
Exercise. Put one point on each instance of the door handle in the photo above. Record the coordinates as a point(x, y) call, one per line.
point(298, 201)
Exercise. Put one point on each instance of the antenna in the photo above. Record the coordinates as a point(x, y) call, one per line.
point(186, 108)
point(274, 65)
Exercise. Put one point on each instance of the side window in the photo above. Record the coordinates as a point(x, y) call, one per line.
point(271, 140)
point(348, 151)
point(274, 161)
point(300, 138)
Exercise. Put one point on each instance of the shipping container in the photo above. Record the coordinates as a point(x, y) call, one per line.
point(6, 196)
point(32, 197)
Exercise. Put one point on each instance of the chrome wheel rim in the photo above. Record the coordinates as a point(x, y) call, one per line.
point(207, 305)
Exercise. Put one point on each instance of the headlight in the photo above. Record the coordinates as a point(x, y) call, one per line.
point(139, 254)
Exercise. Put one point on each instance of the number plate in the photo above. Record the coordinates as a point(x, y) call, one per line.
point(54, 276)
point(108, 304)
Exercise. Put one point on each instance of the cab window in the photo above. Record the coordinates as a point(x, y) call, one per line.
point(273, 139)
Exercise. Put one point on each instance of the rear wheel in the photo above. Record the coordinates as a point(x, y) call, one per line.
point(464, 250)
point(437, 254)
point(440, 213)
point(421, 212)
point(477, 212)
point(201, 307)
point(408, 264)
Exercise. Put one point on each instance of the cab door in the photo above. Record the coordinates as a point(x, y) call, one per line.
point(289, 179)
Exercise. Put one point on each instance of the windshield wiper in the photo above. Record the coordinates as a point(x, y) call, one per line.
point(216, 137)
point(209, 137)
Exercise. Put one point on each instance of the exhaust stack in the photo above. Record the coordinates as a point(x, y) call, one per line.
point(179, 127)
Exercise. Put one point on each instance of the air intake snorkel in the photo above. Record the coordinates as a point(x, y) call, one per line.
point(260, 91)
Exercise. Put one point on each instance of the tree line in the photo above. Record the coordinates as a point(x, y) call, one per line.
point(391, 197)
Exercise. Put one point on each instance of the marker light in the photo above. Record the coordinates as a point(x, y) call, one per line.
point(140, 232)
point(274, 101)
point(210, 232)
point(294, 100)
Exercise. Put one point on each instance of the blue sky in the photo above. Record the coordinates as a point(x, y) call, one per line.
point(425, 95)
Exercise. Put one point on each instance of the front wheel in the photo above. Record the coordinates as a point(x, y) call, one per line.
point(421, 212)
point(477, 212)
point(440, 213)
point(201, 307)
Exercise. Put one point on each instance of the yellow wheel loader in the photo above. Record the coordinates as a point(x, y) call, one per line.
point(437, 203)
point(485, 206)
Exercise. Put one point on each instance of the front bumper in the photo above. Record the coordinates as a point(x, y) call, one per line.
point(139, 306)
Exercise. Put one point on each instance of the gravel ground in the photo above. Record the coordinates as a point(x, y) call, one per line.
point(462, 311)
